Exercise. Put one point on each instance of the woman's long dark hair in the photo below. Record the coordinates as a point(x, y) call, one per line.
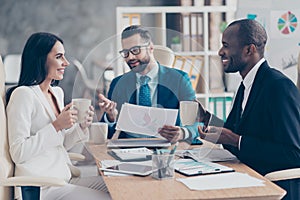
point(33, 62)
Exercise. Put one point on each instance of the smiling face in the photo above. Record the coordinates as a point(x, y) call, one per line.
point(232, 51)
point(138, 63)
point(56, 62)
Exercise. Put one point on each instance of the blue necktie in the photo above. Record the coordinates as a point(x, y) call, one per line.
point(144, 94)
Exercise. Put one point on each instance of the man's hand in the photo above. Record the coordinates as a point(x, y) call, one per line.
point(171, 133)
point(109, 107)
point(219, 135)
point(203, 114)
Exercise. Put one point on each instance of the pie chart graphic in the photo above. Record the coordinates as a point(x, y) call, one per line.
point(287, 23)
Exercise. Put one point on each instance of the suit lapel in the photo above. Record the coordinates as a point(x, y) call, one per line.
point(163, 91)
point(255, 90)
point(37, 90)
point(130, 87)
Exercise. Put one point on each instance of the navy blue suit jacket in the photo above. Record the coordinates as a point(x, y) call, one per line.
point(173, 86)
point(270, 123)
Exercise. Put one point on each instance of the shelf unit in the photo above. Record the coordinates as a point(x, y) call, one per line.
point(155, 18)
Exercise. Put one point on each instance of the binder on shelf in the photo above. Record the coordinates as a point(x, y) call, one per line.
point(193, 32)
point(130, 19)
point(192, 29)
point(186, 32)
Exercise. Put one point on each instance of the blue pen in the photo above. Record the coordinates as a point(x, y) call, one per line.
point(174, 149)
point(171, 153)
point(158, 152)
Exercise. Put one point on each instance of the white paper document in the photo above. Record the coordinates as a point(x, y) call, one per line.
point(207, 154)
point(145, 120)
point(132, 154)
point(221, 181)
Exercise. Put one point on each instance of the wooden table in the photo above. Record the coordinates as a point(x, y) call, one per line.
point(134, 187)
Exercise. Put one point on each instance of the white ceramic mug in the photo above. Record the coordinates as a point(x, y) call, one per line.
point(98, 132)
point(82, 106)
point(188, 112)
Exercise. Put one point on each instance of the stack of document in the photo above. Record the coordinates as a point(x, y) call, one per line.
point(143, 142)
point(207, 154)
point(131, 154)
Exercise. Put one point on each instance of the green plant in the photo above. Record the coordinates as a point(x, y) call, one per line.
point(223, 26)
point(176, 40)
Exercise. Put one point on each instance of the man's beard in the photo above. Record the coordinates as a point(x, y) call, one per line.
point(141, 67)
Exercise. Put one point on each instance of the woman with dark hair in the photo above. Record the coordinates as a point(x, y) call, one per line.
point(40, 128)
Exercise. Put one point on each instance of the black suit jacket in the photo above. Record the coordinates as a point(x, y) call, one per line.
point(270, 124)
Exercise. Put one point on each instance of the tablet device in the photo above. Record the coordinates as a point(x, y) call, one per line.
point(130, 168)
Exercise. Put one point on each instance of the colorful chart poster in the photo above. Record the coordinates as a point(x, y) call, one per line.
point(281, 20)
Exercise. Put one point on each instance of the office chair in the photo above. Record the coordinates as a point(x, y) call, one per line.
point(281, 176)
point(30, 186)
point(12, 64)
point(164, 55)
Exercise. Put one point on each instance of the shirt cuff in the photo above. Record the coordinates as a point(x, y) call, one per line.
point(185, 133)
point(239, 145)
point(110, 124)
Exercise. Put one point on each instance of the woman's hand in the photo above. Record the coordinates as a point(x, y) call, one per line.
point(88, 119)
point(66, 118)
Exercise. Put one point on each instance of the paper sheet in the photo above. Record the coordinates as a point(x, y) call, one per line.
point(221, 181)
point(145, 120)
point(207, 154)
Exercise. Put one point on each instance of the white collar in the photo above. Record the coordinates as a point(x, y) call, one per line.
point(152, 73)
point(249, 78)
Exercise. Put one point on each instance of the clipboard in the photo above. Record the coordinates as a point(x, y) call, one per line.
point(190, 167)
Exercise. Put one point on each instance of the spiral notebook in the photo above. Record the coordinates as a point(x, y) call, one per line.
point(131, 154)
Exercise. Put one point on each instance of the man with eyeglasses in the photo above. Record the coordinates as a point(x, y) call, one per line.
point(148, 84)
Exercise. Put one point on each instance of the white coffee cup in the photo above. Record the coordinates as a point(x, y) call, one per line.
point(98, 132)
point(82, 106)
point(188, 112)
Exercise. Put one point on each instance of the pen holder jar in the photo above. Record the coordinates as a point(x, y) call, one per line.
point(163, 166)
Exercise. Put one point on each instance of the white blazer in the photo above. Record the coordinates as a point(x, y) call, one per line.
point(36, 148)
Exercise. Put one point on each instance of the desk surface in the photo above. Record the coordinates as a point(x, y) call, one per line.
point(134, 187)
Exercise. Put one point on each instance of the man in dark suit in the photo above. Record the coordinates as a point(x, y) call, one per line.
point(264, 130)
point(167, 86)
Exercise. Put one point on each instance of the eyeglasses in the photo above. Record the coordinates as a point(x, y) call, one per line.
point(133, 50)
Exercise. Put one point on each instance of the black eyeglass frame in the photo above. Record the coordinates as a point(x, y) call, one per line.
point(125, 52)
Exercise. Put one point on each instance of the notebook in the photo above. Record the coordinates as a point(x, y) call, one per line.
point(150, 143)
point(131, 154)
point(190, 167)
